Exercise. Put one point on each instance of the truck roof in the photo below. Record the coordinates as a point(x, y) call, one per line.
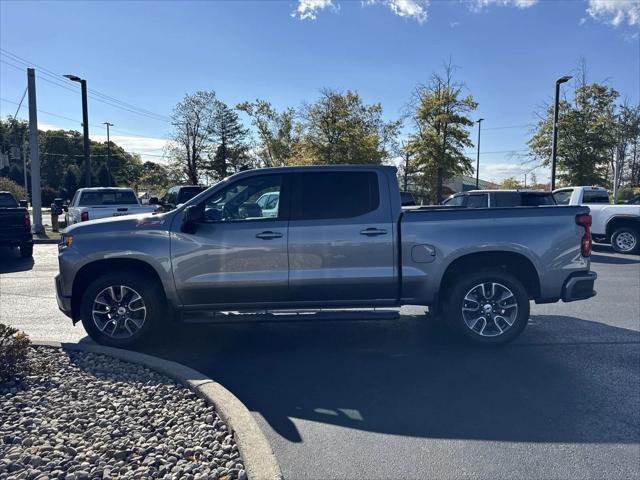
point(105, 189)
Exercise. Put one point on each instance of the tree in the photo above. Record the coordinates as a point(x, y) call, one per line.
point(104, 178)
point(625, 140)
point(192, 121)
point(276, 132)
point(154, 176)
point(340, 128)
point(585, 135)
point(229, 136)
point(71, 180)
point(441, 118)
point(510, 183)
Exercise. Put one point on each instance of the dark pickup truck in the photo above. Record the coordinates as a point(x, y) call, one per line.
point(15, 225)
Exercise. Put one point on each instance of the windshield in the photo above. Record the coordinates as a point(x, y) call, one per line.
point(7, 201)
point(108, 197)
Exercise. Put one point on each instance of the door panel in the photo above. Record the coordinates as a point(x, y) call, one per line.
point(236, 255)
point(333, 258)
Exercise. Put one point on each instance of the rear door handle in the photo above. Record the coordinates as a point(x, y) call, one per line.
point(372, 232)
point(268, 235)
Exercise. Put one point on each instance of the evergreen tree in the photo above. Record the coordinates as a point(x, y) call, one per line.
point(230, 137)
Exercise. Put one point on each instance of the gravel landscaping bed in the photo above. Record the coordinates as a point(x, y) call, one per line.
point(80, 415)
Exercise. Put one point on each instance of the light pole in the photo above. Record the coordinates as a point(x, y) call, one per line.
point(554, 146)
point(478, 156)
point(85, 128)
point(108, 152)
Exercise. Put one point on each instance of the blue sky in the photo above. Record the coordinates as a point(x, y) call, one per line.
point(150, 54)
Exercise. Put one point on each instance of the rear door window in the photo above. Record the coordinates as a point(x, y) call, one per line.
point(595, 196)
point(506, 199)
point(455, 201)
point(477, 200)
point(335, 195)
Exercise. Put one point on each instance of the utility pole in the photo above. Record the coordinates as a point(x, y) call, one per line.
point(109, 153)
point(36, 199)
point(405, 179)
point(85, 128)
point(478, 156)
point(554, 146)
point(24, 165)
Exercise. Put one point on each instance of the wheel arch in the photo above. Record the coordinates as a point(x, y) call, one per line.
point(621, 221)
point(516, 264)
point(93, 270)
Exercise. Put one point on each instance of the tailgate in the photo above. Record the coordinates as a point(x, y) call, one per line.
point(12, 221)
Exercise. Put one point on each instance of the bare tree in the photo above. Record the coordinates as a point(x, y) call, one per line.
point(192, 119)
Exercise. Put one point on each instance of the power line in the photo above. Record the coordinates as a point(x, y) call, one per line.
point(96, 95)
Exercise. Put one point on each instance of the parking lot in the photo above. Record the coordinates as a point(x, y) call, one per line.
point(403, 399)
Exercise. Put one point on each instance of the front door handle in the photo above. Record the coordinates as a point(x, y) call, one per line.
point(372, 232)
point(268, 235)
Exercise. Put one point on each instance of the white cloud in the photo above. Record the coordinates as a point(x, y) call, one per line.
point(308, 9)
point(454, 24)
point(496, 172)
point(414, 9)
point(478, 5)
point(615, 12)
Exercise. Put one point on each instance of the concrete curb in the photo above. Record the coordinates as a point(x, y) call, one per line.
point(41, 241)
point(259, 460)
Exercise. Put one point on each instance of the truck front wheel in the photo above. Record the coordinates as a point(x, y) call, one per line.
point(121, 309)
point(625, 240)
point(489, 307)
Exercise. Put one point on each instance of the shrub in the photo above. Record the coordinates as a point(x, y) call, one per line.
point(8, 185)
point(14, 347)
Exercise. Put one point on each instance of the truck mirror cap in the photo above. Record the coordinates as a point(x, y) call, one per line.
point(190, 218)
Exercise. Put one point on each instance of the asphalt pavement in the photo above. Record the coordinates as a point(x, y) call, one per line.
point(402, 398)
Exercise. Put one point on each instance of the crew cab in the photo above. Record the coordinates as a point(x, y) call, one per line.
point(15, 225)
point(618, 225)
point(500, 198)
point(340, 239)
point(98, 202)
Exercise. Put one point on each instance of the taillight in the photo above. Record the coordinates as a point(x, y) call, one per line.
point(584, 220)
point(27, 219)
point(84, 216)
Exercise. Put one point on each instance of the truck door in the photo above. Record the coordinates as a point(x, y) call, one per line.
point(341, 238)
point(237, 255)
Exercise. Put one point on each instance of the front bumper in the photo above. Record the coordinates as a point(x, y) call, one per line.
point(579, 286)
point(64, 303)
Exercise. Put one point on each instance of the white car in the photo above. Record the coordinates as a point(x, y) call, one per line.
point(103, 202)
point(268, 203)
point(615, 224)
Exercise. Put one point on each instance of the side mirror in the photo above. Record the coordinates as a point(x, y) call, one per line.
point(154, 201)
point(190, 218)
point(23, 204)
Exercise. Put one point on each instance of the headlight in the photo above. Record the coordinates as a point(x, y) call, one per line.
point(65, 242)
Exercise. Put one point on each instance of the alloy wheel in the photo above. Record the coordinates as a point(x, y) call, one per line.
point(119, 311)
point(489, 309)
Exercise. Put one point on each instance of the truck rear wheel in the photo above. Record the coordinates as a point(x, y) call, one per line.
point(625, 240)
point(121, 309)
point(489, 307)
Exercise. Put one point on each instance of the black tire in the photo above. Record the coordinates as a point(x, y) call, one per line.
point(26, 250)
point(625, 240)
point(455, 300)
point(152, 297)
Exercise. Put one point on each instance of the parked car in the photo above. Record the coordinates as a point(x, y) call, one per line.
point(500, 198)
point(15, 225)
point(618, 225)
point(179, 194)
point(340, 239)
point(269, 203)
point(407, 199)
point(102, 202)
point(634, 201)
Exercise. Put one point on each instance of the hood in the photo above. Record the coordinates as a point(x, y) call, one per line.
point(145, 221)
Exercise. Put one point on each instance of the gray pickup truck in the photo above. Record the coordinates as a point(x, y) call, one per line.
point(340, 239)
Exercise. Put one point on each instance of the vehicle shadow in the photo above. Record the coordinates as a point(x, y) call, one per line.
point(11, 262)
point(564, 380)
point(617, 260)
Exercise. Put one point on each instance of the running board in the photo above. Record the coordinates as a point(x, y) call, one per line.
point(267, 316)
